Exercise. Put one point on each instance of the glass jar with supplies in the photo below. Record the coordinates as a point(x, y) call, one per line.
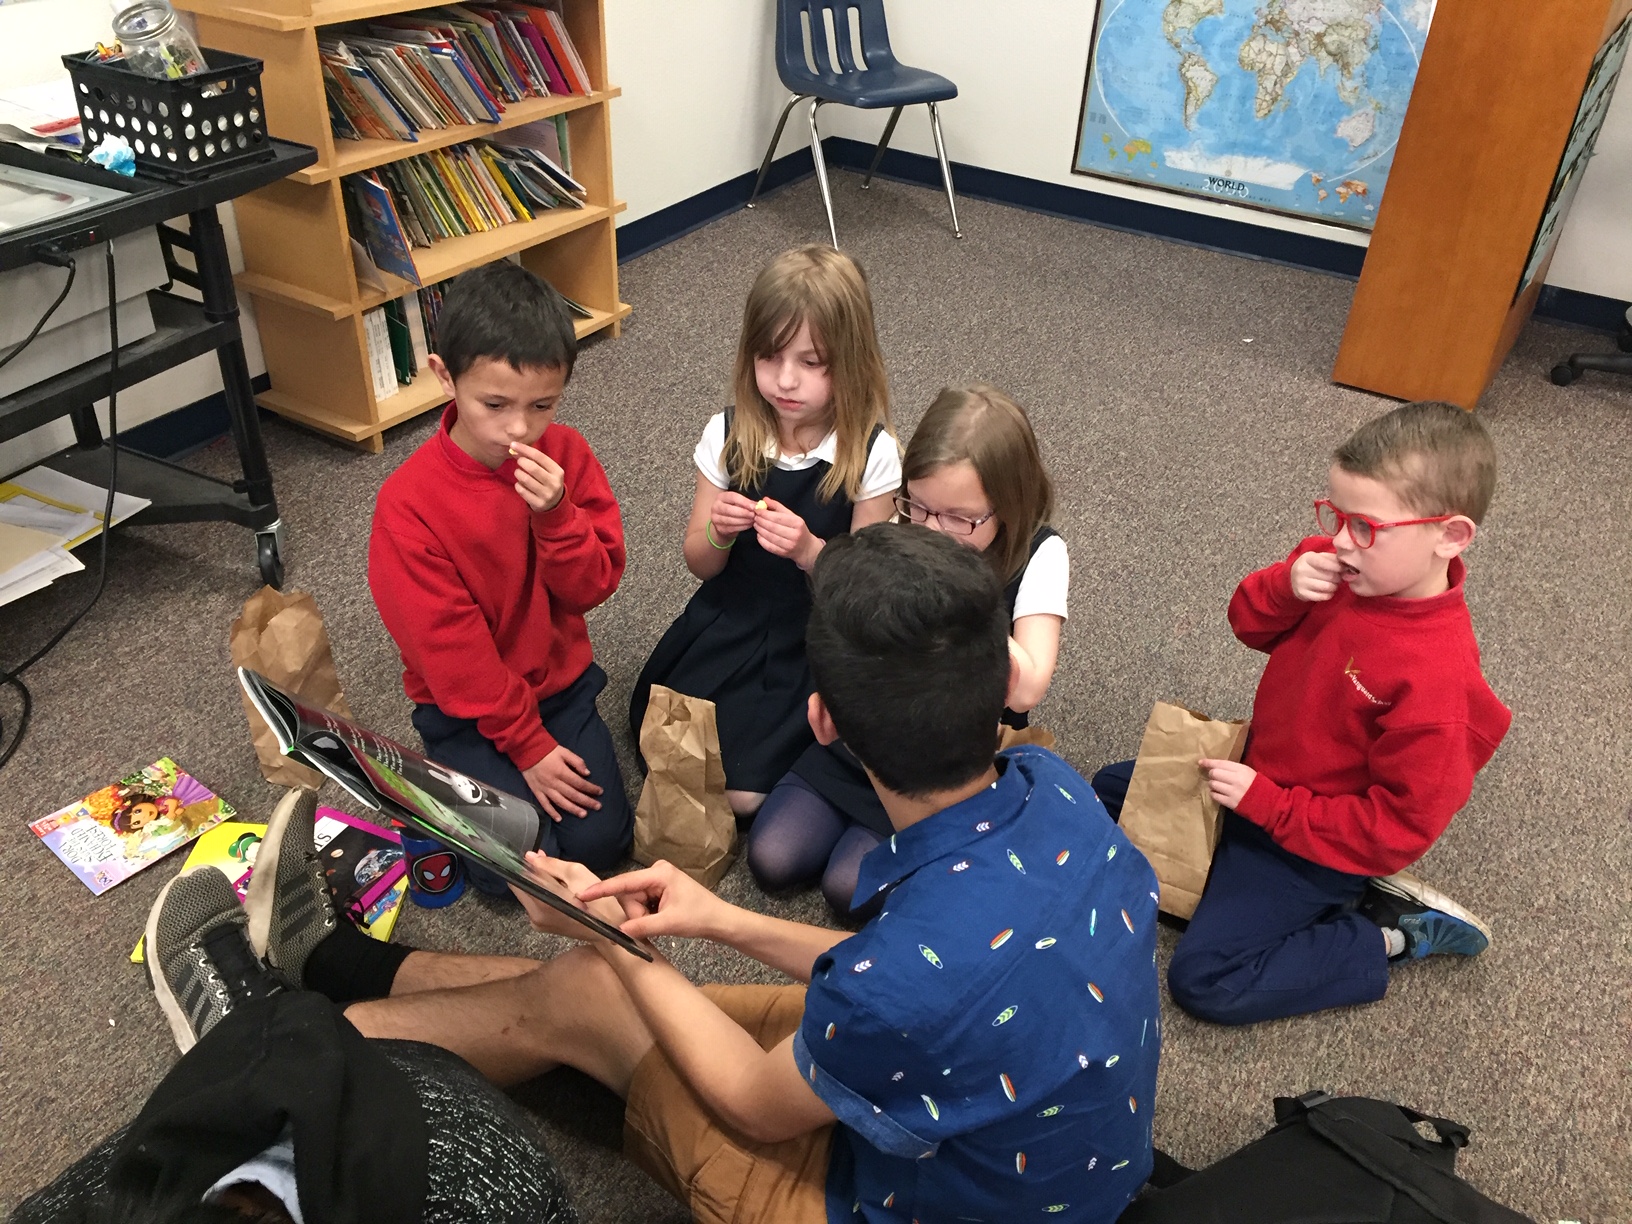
point(155, 42)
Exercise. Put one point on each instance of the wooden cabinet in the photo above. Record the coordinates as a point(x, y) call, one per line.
point(297, 251)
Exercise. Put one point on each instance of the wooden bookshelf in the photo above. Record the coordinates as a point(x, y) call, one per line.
point(298, 264)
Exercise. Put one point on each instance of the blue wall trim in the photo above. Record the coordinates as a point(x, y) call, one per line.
point(678, 220)
point(187, 429)
point(1112, 212)
point(1570, 306)
point(1555, 305)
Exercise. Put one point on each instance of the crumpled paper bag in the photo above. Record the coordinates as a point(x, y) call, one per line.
point(1169, 812)
point(1014, 737)
point(683, 815)
point(281, 635)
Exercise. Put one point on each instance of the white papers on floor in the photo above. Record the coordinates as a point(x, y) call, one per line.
point(42, 515)
point(31, 559)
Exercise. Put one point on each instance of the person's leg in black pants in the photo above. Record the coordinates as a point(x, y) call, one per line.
point(1111, 785)
point(599, 840)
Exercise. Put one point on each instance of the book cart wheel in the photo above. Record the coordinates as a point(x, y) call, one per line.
point(269, 555)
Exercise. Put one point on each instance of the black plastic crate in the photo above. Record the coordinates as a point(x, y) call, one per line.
point(181, 129)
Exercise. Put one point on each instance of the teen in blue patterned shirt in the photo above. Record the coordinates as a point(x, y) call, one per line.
point(984, 1049)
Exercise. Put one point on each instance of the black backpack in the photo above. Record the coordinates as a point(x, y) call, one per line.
point(1328, 1160)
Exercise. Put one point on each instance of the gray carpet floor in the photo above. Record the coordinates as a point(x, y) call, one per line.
point(1184, 408)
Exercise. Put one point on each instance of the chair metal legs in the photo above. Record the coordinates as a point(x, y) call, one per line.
point(878, 155)
point(770, 153)
point(821, 170)
point(946, 168)
point(883, 143)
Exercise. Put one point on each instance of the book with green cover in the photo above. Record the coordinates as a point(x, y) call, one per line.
point(402, 344)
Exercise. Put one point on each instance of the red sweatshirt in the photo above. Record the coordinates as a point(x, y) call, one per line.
point(485, 598)
point(1371, 718)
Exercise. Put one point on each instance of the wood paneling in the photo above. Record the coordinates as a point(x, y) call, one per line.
point(1434, 314)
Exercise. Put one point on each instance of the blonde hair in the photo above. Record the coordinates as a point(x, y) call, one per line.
point(1435, 457)
point(980, 425)
point(826, 289)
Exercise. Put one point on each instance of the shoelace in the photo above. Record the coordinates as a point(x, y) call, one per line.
point(320, 882)
point(235, 975)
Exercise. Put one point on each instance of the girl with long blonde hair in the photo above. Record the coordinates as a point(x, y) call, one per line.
point(972, 471)
point(804, 453)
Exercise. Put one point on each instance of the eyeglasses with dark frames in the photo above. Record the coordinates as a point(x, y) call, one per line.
point(952, 524)
point(1362, 530)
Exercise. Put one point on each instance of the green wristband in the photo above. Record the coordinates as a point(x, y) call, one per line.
point(708, 531)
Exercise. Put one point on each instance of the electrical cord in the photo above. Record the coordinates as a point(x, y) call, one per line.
point(61, 260)
point(14, 677)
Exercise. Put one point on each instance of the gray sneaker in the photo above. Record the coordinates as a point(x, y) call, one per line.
point(198, 955)
point(288, 903)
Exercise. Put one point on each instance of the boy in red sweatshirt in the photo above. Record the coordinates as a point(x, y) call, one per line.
point(1370, 721)
point(489, 544)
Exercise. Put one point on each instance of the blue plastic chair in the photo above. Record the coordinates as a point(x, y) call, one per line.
point(816, 59)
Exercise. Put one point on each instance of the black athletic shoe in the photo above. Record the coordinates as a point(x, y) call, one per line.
point(290, 911)
point(198, 954)
point(1431, 922)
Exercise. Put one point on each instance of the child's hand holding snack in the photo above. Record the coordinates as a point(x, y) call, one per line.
point(731, 515)
point(783, 533)
point(1315, 576)
point(538, 477)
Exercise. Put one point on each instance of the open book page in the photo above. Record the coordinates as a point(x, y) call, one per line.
point(494, 828)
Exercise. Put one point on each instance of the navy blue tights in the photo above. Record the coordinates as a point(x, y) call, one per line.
point(799, 836)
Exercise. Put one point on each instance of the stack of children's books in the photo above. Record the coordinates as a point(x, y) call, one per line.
point(363, 863)
point(118, 830)
point(400, 74)
point(465, 189)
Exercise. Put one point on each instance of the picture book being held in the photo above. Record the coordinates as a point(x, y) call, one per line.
point(112, 833)
point(495, 829)
point(362, 862)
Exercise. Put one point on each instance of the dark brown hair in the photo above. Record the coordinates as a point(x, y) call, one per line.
point(983, 426)
point(909, 648)
point(1435, 457)
point(503, 311)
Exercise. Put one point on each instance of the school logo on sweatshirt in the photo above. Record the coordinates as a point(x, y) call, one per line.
point(1353, 673)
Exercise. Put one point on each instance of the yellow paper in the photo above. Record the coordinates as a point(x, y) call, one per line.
point(18, 544)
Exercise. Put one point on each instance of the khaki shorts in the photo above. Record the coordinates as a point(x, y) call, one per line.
point(723, 1177)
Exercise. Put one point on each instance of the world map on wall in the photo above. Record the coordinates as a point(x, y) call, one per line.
point(1290, 105)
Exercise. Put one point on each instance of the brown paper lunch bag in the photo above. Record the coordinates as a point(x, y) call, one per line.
point(1169, 813)
point(281, 635)
point(683, 815)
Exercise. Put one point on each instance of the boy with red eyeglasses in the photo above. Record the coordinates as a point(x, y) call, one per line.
point(1371, 719)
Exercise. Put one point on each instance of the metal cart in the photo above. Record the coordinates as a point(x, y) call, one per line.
point(186, 328)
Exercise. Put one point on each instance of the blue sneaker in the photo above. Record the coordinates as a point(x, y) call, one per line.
point(1431, 922)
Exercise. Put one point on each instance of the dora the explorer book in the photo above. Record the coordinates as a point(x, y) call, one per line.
point(112, 833)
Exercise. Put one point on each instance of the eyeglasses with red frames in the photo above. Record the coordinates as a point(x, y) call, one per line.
point(1362, 530)
point(952, 524)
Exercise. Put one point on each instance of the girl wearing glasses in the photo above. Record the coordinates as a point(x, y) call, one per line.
point(973, 471)
point(804, 453)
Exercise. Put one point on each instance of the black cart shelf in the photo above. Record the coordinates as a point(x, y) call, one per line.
point(185, 328)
